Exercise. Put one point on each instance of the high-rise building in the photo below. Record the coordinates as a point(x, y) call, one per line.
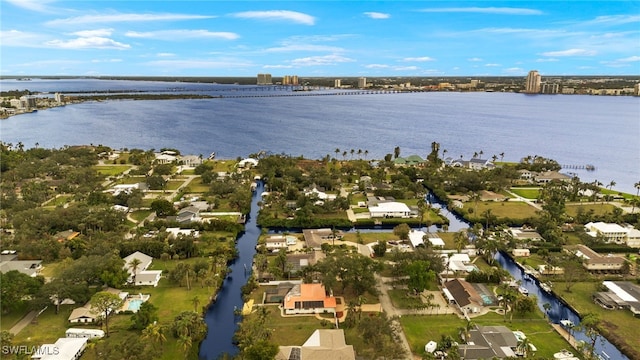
point(264, 79)
point(286, 80)
point(550, 88)
point(532, 85)
point(294, 80)
point(337, 83)
point(362, 82)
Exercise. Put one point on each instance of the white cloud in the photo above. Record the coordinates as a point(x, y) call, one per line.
point(621, 62)
point(570, 52)
point(304, 47)
point(405, 68)
point(514, 71)
point(95, 61)
point(129, 17)
point(277, 67)
point(547, 60)
point(485, 10)
point(321, 60)
point(475, 59)
point(376, 66)
point(629, 59)
point(96, 32)
point(419, 59)
point(18, 38)
point(183, 34)
point(377, 15)
point(294, 16)
point(165, 54)
point(94, 42)
point(613, 20)
point(33, 5)
point(492, 65)
point(199, 64)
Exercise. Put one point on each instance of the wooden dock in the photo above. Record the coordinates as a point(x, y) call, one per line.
point(566, 335)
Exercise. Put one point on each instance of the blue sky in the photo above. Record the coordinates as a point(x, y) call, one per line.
point(319, 38)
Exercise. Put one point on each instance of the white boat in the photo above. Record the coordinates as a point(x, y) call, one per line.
point(566, 323)
point(564, 354)
point(546, 287)
point(523, 291)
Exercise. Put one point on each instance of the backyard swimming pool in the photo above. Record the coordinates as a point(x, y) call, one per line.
point(134, 304)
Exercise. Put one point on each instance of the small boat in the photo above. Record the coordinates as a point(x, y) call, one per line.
point(546, 287)
point(566, 323)
point(523, 291)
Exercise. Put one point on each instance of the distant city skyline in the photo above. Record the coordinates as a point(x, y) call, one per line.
point(319, 39)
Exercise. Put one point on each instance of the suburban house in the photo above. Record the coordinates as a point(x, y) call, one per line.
point(473, 164)
point(309, 299)
point(142, 275)
point(86, 314)
point(524, 235)
point(614, 233)
point(322, 344)
point(63, 349)
point(315, 237)
point(84, 333)
point(620, 295)
point(489, 342)
point(391, 209)
point(416, 237)
point(65, 235)
point(247, 163)
point(9, 262)
point(462, 294)
point(521, 252)
point(549, 176)
point(411, 160)
point(127, 188)
point(189, 214)
point(593, 261)
point(297, 262)
point(456, 263)
point(166, 157)
point(319, 193)
point(175, 232)
point(276, 242)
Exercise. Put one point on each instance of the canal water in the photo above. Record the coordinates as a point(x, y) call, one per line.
point(220, 317)
point(222, 321)
point(559, 310)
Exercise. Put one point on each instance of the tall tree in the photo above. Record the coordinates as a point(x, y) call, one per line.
point(106, 303)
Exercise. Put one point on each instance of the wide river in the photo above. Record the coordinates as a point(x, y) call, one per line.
point(572, 129)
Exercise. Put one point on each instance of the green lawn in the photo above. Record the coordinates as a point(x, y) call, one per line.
point(7, 321)
point(140, 215)
point(132, 180)
point(619, 324)
point(422, 329)
point(369, 237)
point(501, 209)
point(402, 300)
point(196, 186)
point(173, 185)
point(111, 170)
point(598, 209)
point(527, 193)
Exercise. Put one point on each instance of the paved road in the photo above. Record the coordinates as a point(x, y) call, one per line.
point(26, 320)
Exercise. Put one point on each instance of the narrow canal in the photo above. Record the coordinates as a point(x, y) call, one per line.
point(220, 317)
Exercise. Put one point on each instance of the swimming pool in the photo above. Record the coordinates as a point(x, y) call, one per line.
point(486, 299)
point(134, 304)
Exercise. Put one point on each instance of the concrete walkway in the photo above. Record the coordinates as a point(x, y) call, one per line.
point(26, 320)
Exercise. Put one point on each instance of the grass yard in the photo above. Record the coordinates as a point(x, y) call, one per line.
point(10, 319)
point(598, 209)
point(111, 170)
point(402, 300)
point(421, 329)
point(527, 193)
point(140, 215)
point(131, 180)
point(369, 237)
point(173, 185)
point(618, 325)
point(502, 209)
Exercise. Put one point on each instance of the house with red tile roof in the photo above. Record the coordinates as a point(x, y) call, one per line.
point(309, 299)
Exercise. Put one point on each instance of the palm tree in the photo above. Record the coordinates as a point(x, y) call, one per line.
point(501, 156)
point(637, 186)
point(461, 240)
point(337, 151)
point(185, 342)
point(359, 154)
point(154, 332)
point(546, 307)
point(196, 301)
point(133, 265)
point(366, 152)
point(352, 151)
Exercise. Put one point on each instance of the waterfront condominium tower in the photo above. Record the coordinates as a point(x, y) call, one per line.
point(532, 85)
point(264, 79)
point(362, 82)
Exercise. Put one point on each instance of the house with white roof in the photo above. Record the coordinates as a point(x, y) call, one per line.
point(63, 349)
point(175, 232)
point(614, 233)
point(417, 237)
point(390, 209)
point(142, 275)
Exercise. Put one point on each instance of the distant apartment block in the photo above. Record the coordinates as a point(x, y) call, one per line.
point(264, 79)
point(532, 84)
point(290, 80)
point(362, 82)
point(548, 88)
point(568, 90)
point(337, 83)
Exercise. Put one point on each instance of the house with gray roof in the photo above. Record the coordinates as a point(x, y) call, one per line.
point(321, 345)
point(489, 342)
point(9, 262)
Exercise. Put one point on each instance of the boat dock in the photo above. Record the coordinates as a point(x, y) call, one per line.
point(566, 335)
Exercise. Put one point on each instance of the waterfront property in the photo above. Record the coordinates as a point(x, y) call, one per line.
point(141, 276)
point(390, 209)
point(315, 237)
point(614, 233)
point(84, 333)
point(462, 294)
point(87, 314)
point(596, 262)
point(488, 342)
point(322, 344)
point(309, 299)
point(620, 295)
